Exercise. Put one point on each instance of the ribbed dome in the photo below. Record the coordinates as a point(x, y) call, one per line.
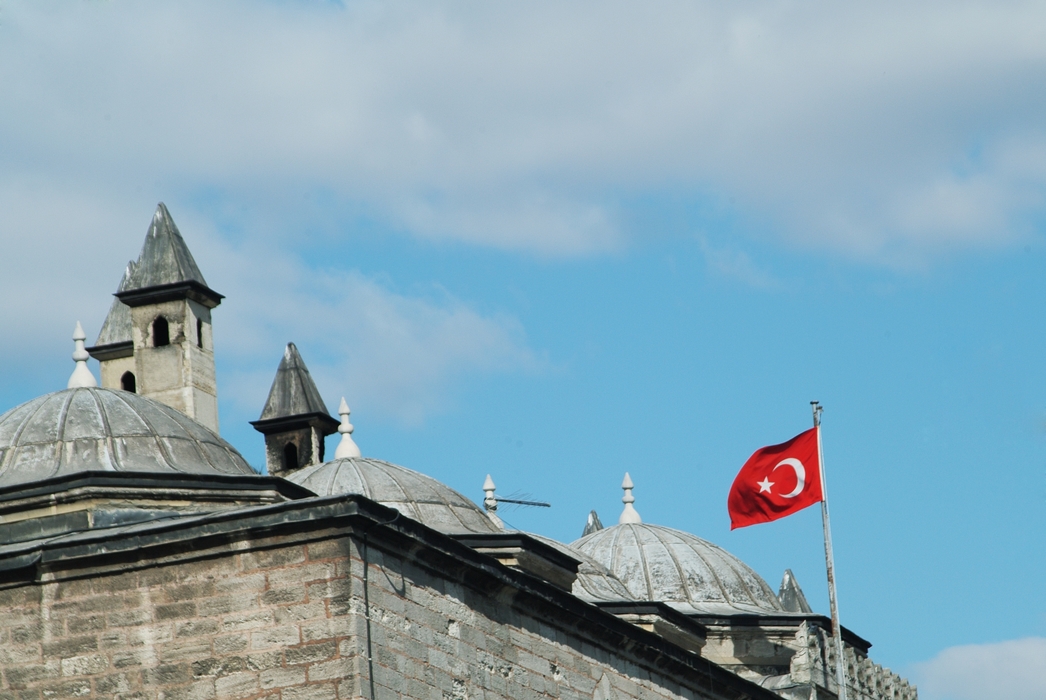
point(594, 582)
point(415, 495)
point(693, 576)
point(94, 429)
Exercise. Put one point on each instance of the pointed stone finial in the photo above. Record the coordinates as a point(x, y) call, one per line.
point(346, 448)
point(592, 524)
point(81, 376)
point(629, 514)
point(791, 595)
point(490, 502)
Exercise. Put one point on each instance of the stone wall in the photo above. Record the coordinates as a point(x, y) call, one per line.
point(298, 616)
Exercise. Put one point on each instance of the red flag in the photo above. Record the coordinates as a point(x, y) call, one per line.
point(776, 481)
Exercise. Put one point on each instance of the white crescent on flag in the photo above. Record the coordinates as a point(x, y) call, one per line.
point(800, 476)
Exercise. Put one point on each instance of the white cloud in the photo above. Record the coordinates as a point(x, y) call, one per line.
point(1011, 670)
point(392, 354)
point(397, 355)
point(888, 131)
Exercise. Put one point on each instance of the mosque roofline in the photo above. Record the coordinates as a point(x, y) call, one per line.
point(518, 539)
point(172, 291)
point(146, 480)
point(785, 620)
point(632, 607)
point(194, 537)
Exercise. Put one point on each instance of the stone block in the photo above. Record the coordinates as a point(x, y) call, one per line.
point(230, 643)
point(70, 646)
point(84, 665)
point(272, 558)
point(237, 685)
point(310, 653)
point(285, 636)
point(167, 674)
point(313, 691)
point(199, 690)
point(282, 677)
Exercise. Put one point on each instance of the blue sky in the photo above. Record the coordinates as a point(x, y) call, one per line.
point(557, 243)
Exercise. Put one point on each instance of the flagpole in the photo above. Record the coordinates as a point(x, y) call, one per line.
point(829, 558)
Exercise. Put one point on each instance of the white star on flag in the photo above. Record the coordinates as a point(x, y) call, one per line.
point(765, 484)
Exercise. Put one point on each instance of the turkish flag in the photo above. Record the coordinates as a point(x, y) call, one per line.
point(776, 481)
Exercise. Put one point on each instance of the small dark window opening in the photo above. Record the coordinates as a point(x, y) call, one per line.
point(199, 332)
point(128, 382)
point(290, 457)
point(161, 332)
point(322, 446)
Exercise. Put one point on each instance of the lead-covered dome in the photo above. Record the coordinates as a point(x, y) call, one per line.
point(94, 429)
point(594, 582)
point(688, 573)
point(417, 496)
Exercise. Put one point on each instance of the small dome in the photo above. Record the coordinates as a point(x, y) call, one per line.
point(417, 496)
point(693, 576)
point(94, 429)
point(594, 582)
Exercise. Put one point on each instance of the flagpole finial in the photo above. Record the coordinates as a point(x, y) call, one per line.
point(816, 407)
point(81, 376)
point(629, 514)
point(347, 447)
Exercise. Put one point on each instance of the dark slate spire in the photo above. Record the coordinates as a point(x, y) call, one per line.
point(293, 392)
point(114, 340)
point(295, 419)
point(165, 268)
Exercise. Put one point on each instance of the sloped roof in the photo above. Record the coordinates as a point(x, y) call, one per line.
point(165, 259)
point(293, 392)
point(117, 326)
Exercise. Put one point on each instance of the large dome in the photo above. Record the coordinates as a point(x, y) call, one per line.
point(93, 429)
point(693, 576)
point(415, 495)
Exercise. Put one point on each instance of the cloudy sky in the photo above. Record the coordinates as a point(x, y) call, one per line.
point(559, 241)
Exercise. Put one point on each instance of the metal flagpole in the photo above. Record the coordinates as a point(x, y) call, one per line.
point(829, 558)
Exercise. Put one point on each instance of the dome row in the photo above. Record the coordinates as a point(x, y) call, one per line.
point(94, 429)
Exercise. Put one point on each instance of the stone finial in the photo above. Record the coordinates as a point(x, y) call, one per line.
point(346, 448)
point(81, 376)
point(629, 514)
point(592, 524)
point(791, 595)
point(490, 502)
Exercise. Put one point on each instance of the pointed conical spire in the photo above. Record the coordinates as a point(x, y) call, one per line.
point(346, 448)
point(592, 524)
point(165, 259)
point(117, 326)
point(165, 268)
point(81, 376)
point(629, 514)
point(791, 595)
point(293, 392)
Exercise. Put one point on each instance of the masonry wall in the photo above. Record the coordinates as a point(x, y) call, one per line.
point(291, 622)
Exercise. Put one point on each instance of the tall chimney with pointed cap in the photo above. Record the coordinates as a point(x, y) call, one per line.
point(169, 327)
point(295, 419)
